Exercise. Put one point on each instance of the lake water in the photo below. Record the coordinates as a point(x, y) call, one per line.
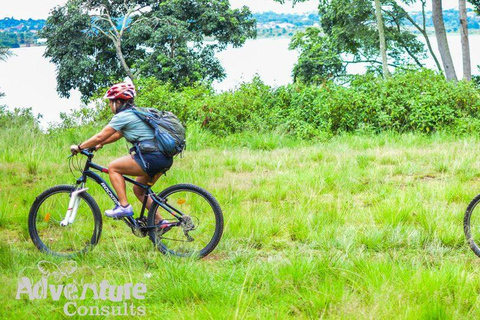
point(28, 79)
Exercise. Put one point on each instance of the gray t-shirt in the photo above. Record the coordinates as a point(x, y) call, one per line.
point(132, 127)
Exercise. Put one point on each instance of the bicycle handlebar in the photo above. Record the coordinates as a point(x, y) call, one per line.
point(88, 152)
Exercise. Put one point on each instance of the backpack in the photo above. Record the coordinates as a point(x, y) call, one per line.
point(169, 130)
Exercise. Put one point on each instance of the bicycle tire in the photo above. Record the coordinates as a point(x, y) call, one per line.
point(36, 213)
point(190, 190)
point(467, 227)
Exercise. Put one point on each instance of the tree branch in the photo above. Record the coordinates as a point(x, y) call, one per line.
point(109, 19)
point(420, 29)
point(103, 32)
point(399, 66)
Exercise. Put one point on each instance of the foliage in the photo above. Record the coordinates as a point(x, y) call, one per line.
point(476, 4)
point(4, 53)
point(320, 58)
point(408, 102)
point(18, 118)
point(349, 35)
point(94, 42)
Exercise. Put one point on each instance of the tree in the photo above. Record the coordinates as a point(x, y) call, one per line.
point(381, 33)
point(319, 58)
point(349, 34)
point(441, 34)
point(95, 42)
point(467, 67)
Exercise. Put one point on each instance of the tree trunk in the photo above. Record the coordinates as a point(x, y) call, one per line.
point(441, 34)
point(427, 40)
point(381, 33)
point(467, 67)
point(118, 49)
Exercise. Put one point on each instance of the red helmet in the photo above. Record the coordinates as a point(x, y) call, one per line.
point(124, 91)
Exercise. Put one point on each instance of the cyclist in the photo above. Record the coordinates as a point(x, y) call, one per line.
point(146, 162)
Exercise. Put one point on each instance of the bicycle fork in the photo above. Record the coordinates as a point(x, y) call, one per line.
point(72, 207)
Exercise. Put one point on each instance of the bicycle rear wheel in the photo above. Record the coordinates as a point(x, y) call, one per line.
point(196, 205)
point(50, 208)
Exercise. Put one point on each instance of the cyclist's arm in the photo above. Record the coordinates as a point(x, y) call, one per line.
point(99, 138)
point(114, 137)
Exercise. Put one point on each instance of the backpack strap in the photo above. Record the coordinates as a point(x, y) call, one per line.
point(136, 149)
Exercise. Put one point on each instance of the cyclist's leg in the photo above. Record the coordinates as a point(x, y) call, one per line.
point(140, 192)
point(123, 166)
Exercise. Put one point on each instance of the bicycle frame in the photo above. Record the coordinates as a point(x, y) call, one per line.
point(131, 222)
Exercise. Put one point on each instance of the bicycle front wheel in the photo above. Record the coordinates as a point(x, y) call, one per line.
point(201, 226)
point(47, 213)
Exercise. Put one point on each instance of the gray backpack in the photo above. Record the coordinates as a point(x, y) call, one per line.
point(169, 130)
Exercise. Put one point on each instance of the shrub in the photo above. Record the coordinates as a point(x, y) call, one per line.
point(18, 118)
point(413, 101)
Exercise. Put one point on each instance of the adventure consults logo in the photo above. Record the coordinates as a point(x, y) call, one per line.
point(49, 287)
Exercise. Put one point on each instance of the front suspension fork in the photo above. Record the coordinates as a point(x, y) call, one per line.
point(72, 207)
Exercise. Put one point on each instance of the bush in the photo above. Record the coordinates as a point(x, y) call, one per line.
point(409, 101)
point(414, 101)
point(18, 118)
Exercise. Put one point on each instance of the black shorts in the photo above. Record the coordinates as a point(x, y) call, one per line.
point(155, 162)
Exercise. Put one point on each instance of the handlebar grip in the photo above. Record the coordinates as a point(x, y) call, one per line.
point(88, 152)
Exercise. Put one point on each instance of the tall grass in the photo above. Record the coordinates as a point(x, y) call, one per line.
point(354, 227)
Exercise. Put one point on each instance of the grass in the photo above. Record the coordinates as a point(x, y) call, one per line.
point(356, 227)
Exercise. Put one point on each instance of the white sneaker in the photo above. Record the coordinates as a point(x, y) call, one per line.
point(120, 212)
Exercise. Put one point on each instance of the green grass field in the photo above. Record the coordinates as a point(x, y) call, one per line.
point(355, 227)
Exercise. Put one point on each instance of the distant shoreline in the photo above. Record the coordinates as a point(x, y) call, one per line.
point(31, 46)
point(471, 33)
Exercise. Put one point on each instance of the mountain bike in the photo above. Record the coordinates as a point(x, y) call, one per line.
point(65, 220)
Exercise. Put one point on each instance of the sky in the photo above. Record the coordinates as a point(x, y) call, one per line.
point(39, 9)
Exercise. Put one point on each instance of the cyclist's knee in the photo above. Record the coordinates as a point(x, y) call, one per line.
point(112, 167)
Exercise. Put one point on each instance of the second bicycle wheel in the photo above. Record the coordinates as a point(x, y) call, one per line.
point(471, 225)
point(46, 231)
point(200, 208)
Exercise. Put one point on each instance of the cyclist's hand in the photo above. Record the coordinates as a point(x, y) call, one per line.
point(98, 147)
point(74, 149)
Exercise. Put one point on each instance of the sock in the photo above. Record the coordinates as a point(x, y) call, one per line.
point(124, 207)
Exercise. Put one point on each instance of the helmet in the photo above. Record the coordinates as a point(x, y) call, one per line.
point(124, 91)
